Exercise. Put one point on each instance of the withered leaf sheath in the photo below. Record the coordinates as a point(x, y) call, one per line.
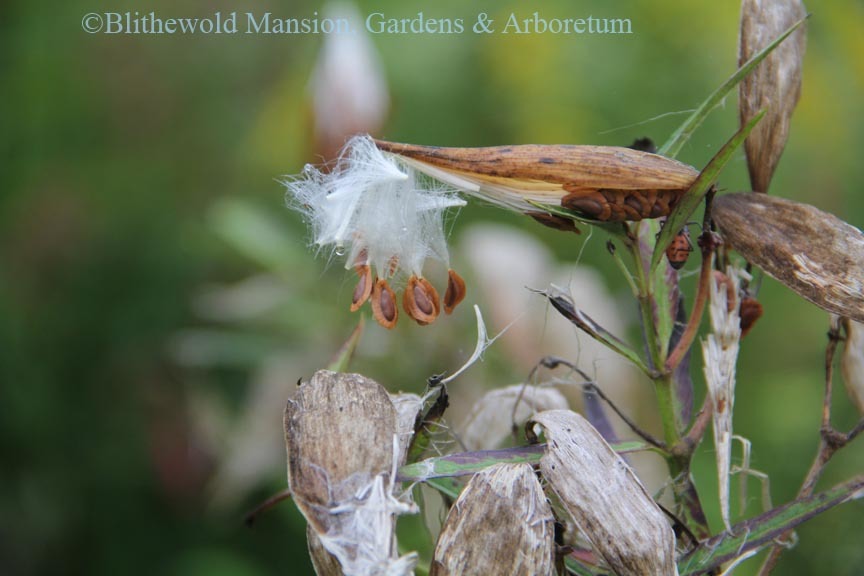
point(384, 308)
point(604, 498)
point(814, 253)
point(501, 524)
point(455, 291)
point(600, 182)
point(774, 85)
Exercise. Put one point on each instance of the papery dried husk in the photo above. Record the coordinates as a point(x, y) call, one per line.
point(816, 254)
point(774, 85)
point(603, 497)
point(501, 524)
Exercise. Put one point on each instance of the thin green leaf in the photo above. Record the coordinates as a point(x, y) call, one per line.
point(762, 530)
point(691, 199)
point(673, 146)
point(343, 356)
point(466, 463)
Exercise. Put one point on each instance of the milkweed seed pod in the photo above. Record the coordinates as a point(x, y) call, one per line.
point(501, 524)
point(604, 183)
point(814, 253)
point(604, 498)
point(774, 85)
point(344, 437)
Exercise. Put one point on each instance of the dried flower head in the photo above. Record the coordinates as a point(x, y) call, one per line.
point(387, 219)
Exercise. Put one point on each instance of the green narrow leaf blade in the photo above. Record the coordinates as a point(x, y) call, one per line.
point(691, 199)
point(762, 530)
point(673, 146)
point(342, 359)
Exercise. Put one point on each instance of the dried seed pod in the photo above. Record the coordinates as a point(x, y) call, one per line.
point(852, 362)
point(750, 312)
point(325, 564)
point(600, 182)
point(339, 436)
point(604, 498)
point(384, 308)
point(774, 85)
point(421, 301)
point(501, 524)
point(364, 287)
point(812, 252)
point(455, 291)
point(493, 416)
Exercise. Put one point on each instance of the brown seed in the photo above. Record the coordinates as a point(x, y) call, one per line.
point(364, 287)
point(751, 311)
point(455, 291)
point(420, 300)
point(384, 308)
point(553, 221)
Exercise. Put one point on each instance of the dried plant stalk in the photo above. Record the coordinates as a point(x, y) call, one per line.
point(501, 524)
point(604, 498)
point(775, 84)
point(342, 439)
point(812, 252)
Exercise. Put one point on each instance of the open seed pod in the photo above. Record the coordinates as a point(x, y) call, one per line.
point(501, 524)
point(812, 252)
point(605, 183)
point(604, 498)
point(342, 433)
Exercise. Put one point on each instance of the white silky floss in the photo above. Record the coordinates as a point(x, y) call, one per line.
point(373, 203)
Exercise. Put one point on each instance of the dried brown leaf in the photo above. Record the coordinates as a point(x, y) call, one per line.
point(812, 252)
point(501, 524)
point(774, 85)
point(604, 498)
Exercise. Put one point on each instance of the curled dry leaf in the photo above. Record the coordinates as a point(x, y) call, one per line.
point(492, 417)
point(341, 435)
point(604, 498)
point(852, 362)
point(812, 252)
point(774, 85)
point(501, 524)
point(604, 183)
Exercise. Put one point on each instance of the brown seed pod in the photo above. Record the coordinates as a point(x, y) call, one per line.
point(421, 301)
point(364, 287)
point(600, 182)
point(455, 291)
point(384, 308)
point(774, 85)
point(812, 252)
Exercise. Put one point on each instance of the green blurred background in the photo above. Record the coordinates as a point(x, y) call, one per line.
point(158, 301)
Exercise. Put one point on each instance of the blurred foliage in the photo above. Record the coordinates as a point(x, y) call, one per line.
point(138, 188)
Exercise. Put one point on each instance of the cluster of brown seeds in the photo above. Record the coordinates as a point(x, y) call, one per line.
point(420, 299)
